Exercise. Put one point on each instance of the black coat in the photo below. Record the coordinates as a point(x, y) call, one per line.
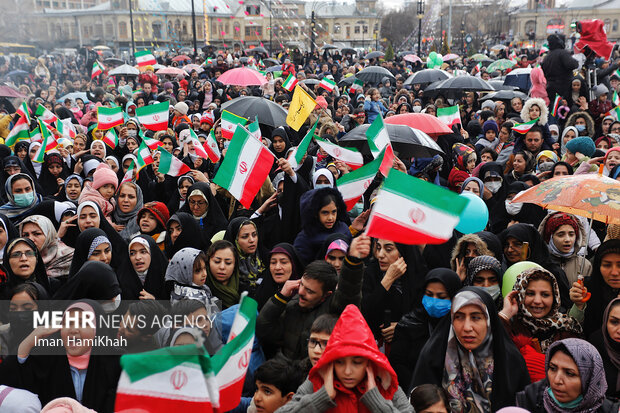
point(558, 67)
point(531, 398)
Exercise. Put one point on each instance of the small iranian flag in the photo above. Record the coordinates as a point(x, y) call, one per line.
point(353, 185)
point(357, 84)
point(97, 69)
point(409, 210)
point(49, 143)
point(615, 99)
point(211, 147)
point(450, 115)
point(153, 144)
point(556, 105)
point(351, 157)
point(544, 49)
point(617, 73)
point(377, 136)
point(154, 117)
point(145, 58)
point(254, 129)
point(327, 84)
point(107, 118)
point(229, 124)
point(66, 128)
point(302, 148)
point(198, 149)
point(129, 175)
point(144, 156)
point(110, 138)
point(245, 168)
point(615, 113)
point(19, 132)
point(524, 127)
point(35, 135)
point(45, 114)
point(24, 111)
point(290, 82)
point(478, 67)
point(171, 165)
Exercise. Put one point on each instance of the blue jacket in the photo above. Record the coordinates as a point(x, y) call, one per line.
point(374, 109)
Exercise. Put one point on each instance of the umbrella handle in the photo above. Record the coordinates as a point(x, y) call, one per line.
point(588, 295)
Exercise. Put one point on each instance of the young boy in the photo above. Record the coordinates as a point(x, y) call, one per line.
point(320, 332)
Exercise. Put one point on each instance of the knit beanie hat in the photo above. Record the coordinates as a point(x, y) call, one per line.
point(582, 144)
point(182, 108)
point(610, 150)
point(208, 117)
point(490, 125)
point(555, 221)
point(104, 175)
point(158, 209)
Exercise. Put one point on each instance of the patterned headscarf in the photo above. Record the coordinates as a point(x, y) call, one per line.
point(554, 320)
point(460, 155)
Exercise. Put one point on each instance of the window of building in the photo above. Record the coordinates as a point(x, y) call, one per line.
point(145, 29)
point(214, 29)
point(357, 30)
point(184, 28)
point(347, 29)
point(109, 29)
point(614, 26)
point(122, 30)
point(156, 30)
point(607, 25)
point(99, 29)
point(253, 10)
point(365, 29)
point(336, 28)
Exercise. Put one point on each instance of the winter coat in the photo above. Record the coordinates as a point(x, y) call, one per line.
point(531, 399)
point(539, 85)
point(374, 109)
point(572, 118)
point(558, 66)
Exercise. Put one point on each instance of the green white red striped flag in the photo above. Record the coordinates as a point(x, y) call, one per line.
point(24, 111)
point(327, 84)
point(153, 144)
point(349, 156)
point(245, 167)
point(229, 124)
point(19, 132)
point(254, 129)
point(211, 147)
point(129, 175)
point(145, 58)
point(45, 114)
point(357, 84)
point(49, 143)
point(377, 136)
point(66, 128)
point(35, 134)
point(110, 138)
point(450, 115)
point(171, 165)
point(524, 127)
point(615, 99)
point(302, 148)
point(107, 118)
point(144, 156)
point(96, 70)
point(154, 117)
point(196, 145)
point(290, 82)
point(556, 105)
point(615, 113)
point(409, 210)
point(353, 185)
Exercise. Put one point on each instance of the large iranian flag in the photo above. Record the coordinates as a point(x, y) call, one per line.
point(377, 136)
point(409, 210)
point(107, 118)
point(351, 157)
point(145, 58)
point(154, 117)
point(171, 165)
point(450, 115)
point(19, 132)
point(245, 168)
point(229, 124)
point(45, 114)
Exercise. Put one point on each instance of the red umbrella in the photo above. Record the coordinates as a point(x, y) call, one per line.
point(242, 76)
point(9, 92)
point(181, 57)
point(428, 124)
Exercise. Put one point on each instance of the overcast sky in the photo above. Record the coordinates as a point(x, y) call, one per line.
point(391, 4)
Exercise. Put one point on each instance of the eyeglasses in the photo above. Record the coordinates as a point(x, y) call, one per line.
point(18, 254)
point(197, 203)
point(312, 343)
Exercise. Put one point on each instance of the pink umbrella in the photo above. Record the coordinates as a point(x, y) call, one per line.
point(242, 76)
point(412, 58)
point(181, 58)
point(9, 92)
point(190, 67)
point(428, 124)
point(450, 56)
point(173, 71)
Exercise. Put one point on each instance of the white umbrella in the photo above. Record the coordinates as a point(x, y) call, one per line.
point(124, 70)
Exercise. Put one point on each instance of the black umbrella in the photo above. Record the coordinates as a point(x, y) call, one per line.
point(348, 50)
point(346, 81)
point(407, 142)
point(374, 75)
point(499, 85)
point(505, 95)
point(271, 61)
point(406, 52)
point(328, 46)
point(274, 68)
point(267, 112)
point(113, 61)
point(311, 81)
point(243, 60)
point(257, 50)
point(374, 55)
point(464, 83)
point(426, 76)
point(17, 72)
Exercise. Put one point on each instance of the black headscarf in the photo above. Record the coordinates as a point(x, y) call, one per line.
point(11, 231)
point(190, 234)
point(214, 221)
point(130, 283)
point(269, 287)
point(49, 184)
point(39, 275)
point(493, 243)
point(82, 248)
point(602, 293)
point(95, 280)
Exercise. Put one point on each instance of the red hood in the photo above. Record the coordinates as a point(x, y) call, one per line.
point(352, 337)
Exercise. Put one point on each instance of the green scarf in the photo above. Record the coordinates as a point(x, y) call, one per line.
point(228, 294)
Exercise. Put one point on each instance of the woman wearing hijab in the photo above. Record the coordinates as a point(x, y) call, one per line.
point(92, 245)
point(56, 255)
point(205, 210)
point(223, 273)
point(415, 328)
point(243, 234)
point(53, 173)
point(280, 144)
point(186, 277)
point(95, 281)
point(152, 220)
point(23, 264)
point(7, 233)
point(178, 198)
point(607, 342)
point(533, 320)
point(182, 231)
point(494, 195)
point(516, 212)
point(575, 381)
point(22, 196)
point(284, 265)
point(128, 202)
point(12, 165)
point(142, 277)
point(486, 272)
point(473, 184)
point(72, 189)
point(471, 356)
point(323, 178)
point(34, 168)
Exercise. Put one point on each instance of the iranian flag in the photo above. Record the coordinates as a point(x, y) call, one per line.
point(327, 84)
point(302, 148)
point(49, 143)
point(19, 132)
point(171, 165)
point(409, 210)
point(245, 168)
point(615, 99)
point(211, 147)
point(153, 144)
point(45, 114)
point(353, 185)
point(145, 58)
point(357, 84)
point(170, 379)
point(254, 129)
point(107, 118)
point(110, 138)
point(35, 135)
point(556, 104)
point(478, 67)
point(144, 156)
point(351, 157)
point(615, 113)
point(377, 136)
point(229, 124)
point(524, 127)
point(290, 82)
point(198, 149)
point(66, 128)
point(129, 175)
point(154, 117)
point(450, 115)
point(97, 70)
point(23, 111)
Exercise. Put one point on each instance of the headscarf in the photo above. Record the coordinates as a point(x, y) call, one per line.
point(14, 212)
point(251, 267)
point(95, 280)
point(476, 180)
point(323, 172)
point(460, 155)
point(229, 293)
point(190, 234)
point(611, 345)
point(564, 132)
point(56, 255)
point(554, 321)
point(591, 372)
point(86, 242)
point(153, 280)
point(38, 276)
point(128, 218)
point(214, 220)
point(11, 232)
point(36, 166)
point(181, 267)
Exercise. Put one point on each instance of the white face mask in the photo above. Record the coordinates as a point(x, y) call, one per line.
point(493, 291)
point(493, 186)
point(317, 186)
point(110, 307)
point(513, 208)
point(417, 109)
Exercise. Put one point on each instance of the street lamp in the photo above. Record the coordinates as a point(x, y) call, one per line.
point(133, 42)
point(194, 30)
point(420, 17)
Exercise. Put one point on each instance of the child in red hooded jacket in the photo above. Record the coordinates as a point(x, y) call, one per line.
point(351, 376)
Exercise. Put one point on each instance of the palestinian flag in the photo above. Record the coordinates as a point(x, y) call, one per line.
point(351, 157)
point(45, 114)
point(409, 210)
point(450, 115)
point(245, 168)
point(145, 58)
point(211, 147)
point(254, 129)
point(97, 69)
point(129, 175)
point(302, 148)
point(107, 118)
point(144, 156)
point(353, 185)
point(169, 379)
point(24, 111)
point(357, 84)
point(49, 143)
point(377, 136)
point(154, 117)
point(615, 99)
point(290, 82)
point(524, 127)
point(327, 84)
point(171, 165)
point(556, 105)
point(615, 113)
point(19, 132)
point(110, 138)
point(229, 124)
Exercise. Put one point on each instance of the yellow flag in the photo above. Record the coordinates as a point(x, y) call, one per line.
point(300, 108)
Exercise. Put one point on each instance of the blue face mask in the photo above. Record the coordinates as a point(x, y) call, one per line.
point(23, 200)
point(580, 128)
point(317, 186)
point(436, 307)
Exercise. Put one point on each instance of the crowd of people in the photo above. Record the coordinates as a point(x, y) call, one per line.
point(345, 323)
